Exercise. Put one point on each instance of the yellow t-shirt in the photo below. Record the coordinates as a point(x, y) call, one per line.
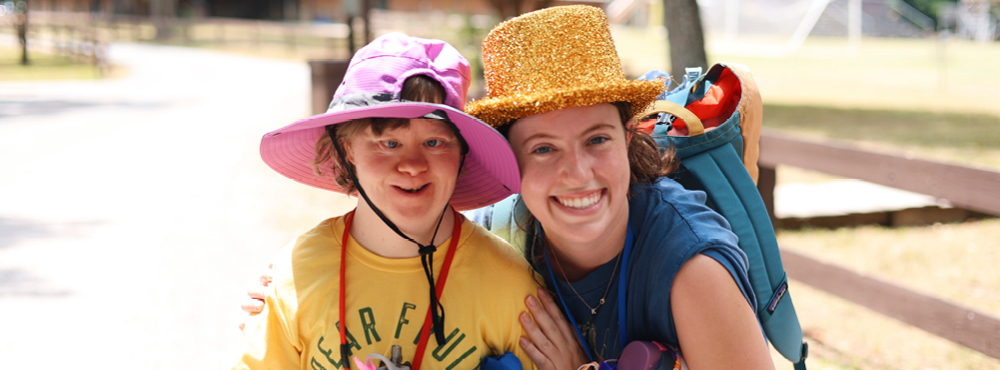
point(387, 301)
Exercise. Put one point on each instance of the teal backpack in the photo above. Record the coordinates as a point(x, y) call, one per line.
point(713, 121)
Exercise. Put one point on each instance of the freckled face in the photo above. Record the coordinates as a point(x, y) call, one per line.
point(574, 170)
point(409, 172)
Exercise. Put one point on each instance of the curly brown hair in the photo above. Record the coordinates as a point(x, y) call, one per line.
point(416, 88)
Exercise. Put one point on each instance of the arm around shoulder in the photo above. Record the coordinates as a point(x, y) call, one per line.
point(716, 326)
point(269, 341)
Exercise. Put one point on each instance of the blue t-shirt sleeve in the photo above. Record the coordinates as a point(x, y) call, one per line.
point(660, 318)
point(673, 225)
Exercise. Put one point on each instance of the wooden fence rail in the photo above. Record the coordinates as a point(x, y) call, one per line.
point(963, 186)
point(972, 188)
point(962, 325)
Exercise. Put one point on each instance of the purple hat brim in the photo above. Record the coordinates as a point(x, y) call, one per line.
point(489, 173)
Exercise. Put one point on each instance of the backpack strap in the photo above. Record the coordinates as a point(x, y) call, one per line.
point(751, 111)
point(729, 187)
point(694, 125)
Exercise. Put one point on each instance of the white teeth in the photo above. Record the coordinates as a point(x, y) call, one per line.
point(580, 203)
point(413, 189)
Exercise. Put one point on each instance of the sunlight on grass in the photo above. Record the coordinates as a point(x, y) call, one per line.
point(951, 261)
point(955, 137)
point(842, 335)
point(955, 262)
point(45, 66)
point(887, 73)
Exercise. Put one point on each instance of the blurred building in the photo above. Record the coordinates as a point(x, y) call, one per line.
point(305, 10)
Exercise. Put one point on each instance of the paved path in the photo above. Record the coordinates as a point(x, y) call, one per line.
point(134, 212)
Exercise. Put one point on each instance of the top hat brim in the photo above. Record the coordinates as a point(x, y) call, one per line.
point(499, 111)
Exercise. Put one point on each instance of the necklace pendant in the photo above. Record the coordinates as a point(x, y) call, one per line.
point(593, 311)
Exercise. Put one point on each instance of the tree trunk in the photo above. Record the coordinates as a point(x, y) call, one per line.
point(508, 9)
point(21, 23)
point(686, 37)
point(163, 12)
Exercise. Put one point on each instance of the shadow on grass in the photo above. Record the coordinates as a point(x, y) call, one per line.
point(12, 231)
point(18, 282)
point(927, 129)
point(15, 231)
point(22, 283)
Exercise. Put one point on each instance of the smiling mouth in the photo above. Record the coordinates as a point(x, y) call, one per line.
point(412, 190)
point(581, 202)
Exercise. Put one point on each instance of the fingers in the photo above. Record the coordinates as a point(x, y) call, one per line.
point(536, 356)
point(267, 276)
point(556, 314)
point(557, 329)
point(539, 337)
point(257, 292)
point(252, 306)
point(552, 345)
point(545, 321)
point(256, 302)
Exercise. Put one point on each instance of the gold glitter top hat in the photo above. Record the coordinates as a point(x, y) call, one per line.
point(551, 59)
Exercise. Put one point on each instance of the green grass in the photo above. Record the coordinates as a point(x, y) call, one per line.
point(954, 262)
point(43, 66)
point(927, 75)
point(934, 99)
point(968, 138)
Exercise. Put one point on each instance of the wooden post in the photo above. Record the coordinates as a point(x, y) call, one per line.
point(366, 7)
point(326, 76)
point(21, 23)
point(767, 178)
point(350, 35)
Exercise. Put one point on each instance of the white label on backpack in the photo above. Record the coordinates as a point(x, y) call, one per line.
point(777, 297)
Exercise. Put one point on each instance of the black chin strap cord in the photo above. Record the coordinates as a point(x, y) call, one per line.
point(426, 251)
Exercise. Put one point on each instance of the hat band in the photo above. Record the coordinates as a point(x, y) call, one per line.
point(348, 102)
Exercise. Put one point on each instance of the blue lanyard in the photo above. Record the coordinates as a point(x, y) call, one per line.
point(622, 284)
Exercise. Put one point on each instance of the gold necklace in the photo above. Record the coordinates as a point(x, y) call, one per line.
point(611, 280)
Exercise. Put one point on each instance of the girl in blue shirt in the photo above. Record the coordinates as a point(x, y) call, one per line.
point(630, 254)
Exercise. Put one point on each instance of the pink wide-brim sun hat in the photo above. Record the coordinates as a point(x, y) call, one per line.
point(371, 89)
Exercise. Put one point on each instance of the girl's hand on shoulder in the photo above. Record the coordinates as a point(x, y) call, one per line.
point(551, 342)
point(256, 293)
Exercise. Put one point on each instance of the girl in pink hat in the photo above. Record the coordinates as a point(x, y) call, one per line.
point(402, 277)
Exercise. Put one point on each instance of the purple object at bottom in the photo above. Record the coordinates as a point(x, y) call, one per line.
point(640, 355)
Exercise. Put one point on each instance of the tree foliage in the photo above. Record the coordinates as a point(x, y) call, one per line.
point(930, 8)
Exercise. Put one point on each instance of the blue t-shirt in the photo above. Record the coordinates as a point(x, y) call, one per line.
point(671, 225)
